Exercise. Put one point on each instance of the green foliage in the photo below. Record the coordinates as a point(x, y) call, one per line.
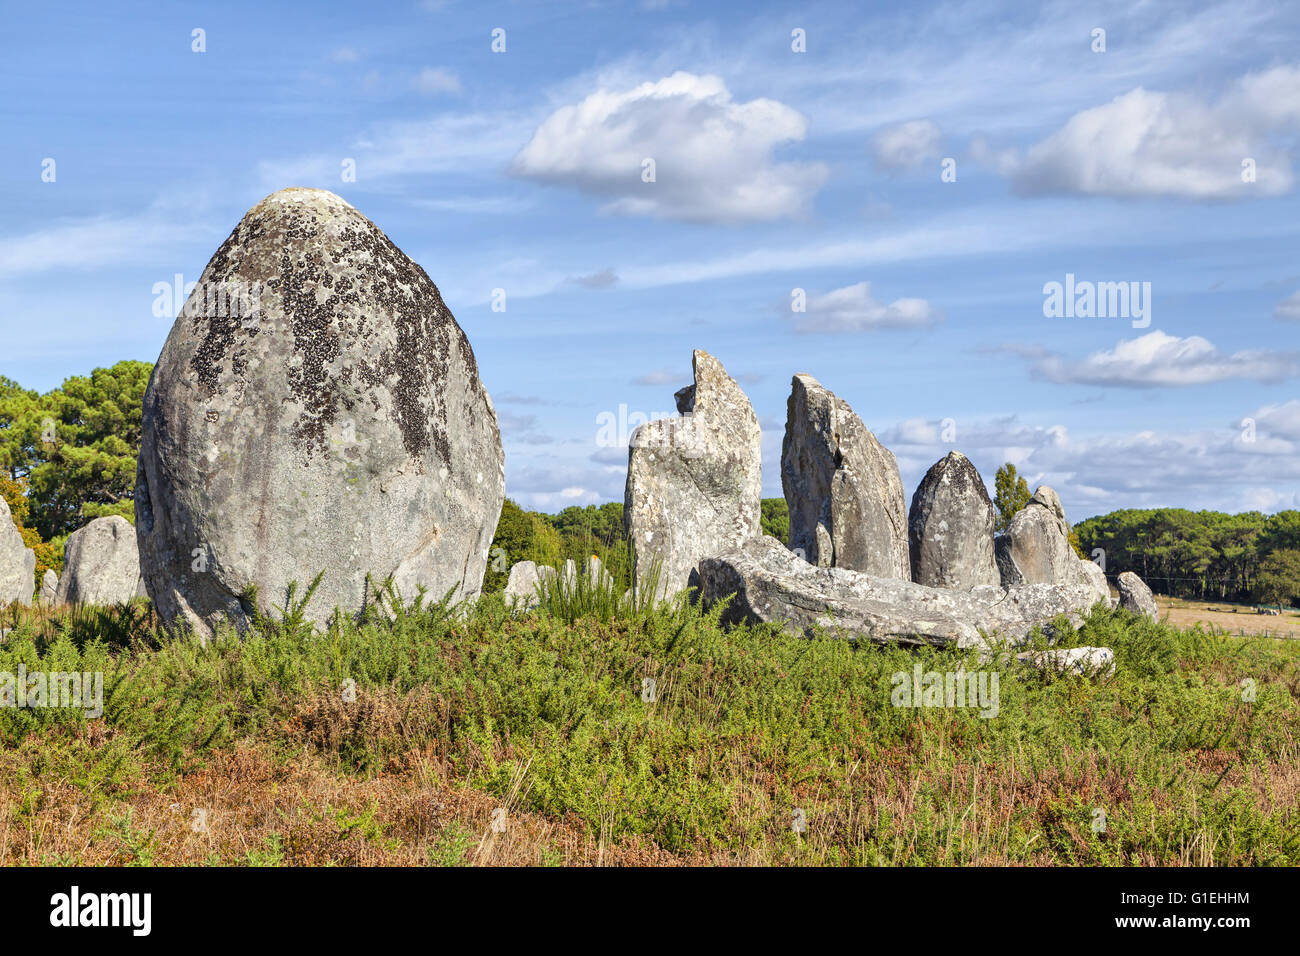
point(1278, 581)
point(75, 448)
point(775, 519)
point(575, 534)
point(92, 460)
point(668, 727)
point(1011, 494)
point(521, 536)
point(1200, 554)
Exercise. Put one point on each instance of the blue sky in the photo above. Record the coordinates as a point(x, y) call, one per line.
point(775, 170)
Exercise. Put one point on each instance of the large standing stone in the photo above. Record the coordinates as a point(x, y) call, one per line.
point(842, 487)
point(694, 483)
point(774, 585)
point(1136, 597)
point(950, 527)
point(49, 587)
point(101, 564)
point(340, 427)
point(17, 562)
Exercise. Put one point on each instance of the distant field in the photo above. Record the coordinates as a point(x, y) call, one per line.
point(1239, 619)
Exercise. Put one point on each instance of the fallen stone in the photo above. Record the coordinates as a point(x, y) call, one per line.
point(773, 585)
point(327, 416)
point(694, 483)
point(1136, 597)
point(101, 564)
point(950, 527)
point(841, 486)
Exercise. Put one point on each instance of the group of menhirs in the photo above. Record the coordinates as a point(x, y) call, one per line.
point(56, 689)
point(75, 909)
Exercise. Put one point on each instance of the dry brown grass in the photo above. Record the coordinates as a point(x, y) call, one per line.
point(296, 812)
point(1236, 619)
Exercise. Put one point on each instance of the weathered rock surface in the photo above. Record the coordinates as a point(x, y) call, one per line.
point(772, 584)
point(694, 483)
point(340, 427)
point(101, 564)
point(521, 585)
point(950, 527)
point(842, 487)
point(1136, 597)
point(1036, 546)
point(50, 587)
point(17, 562)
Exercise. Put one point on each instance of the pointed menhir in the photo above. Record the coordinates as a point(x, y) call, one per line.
point(694, 483)
point(841, 486)
point(951, 525)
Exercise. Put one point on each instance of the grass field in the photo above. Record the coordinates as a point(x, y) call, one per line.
point(438, 738)
point(1240, 619)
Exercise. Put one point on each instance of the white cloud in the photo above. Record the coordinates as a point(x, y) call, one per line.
point(1278, 421)
point(1211, 468)
point(854, 309)
point(433, 80)
point(1288, 308)
point(345, 54)
point(1150, 143)
point(1160, 360)
point(713, 156)
point(95, 242)
point(905, 145)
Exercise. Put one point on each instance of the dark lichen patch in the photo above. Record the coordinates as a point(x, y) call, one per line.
point(374, 291)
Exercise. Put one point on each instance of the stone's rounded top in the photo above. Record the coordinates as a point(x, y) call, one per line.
point(1049, 499)
point(317, 200)
point(955, 455)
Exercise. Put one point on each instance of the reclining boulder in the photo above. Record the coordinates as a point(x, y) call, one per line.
point(774, 585)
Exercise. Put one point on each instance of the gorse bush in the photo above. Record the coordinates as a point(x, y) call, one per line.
point(656, 723)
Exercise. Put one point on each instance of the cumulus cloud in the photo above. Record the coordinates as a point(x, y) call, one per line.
point(432, 80)
point(1158, 360)
point(1151, 143)
point(854, 309)
point(1288, 308)
point(906, 145)
point(713, 157)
